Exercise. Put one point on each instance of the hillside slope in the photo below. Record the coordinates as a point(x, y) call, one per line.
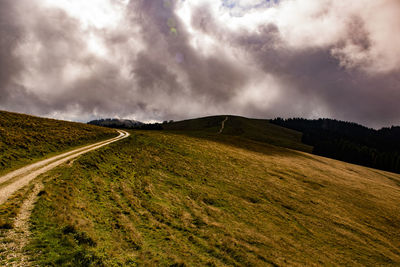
point(251, 129)
point(160, 198)
point(25, 139)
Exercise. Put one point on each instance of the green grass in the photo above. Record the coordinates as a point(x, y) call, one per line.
point(162, 199)
point(10, 209)
point(25, 139)
point(251, 129)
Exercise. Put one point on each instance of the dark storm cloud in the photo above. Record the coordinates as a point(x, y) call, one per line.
point(153, 74)
point(59, 42)
point(314, 77)
point(9, 36)
point(167, 47)
point(153, 71)
point(15, 96)
point(10, 65)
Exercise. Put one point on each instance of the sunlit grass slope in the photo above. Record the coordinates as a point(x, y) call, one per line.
point(253, 129)
point(24, 138)
point(160, 199)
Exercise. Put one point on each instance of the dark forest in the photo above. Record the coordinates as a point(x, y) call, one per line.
point(349, 141)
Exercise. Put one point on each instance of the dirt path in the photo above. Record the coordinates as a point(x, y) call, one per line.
point(15, 180)
point(223, 125)
point(14, 240)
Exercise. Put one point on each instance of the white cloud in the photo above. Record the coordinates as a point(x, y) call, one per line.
point(92, 13)
point(305, 24)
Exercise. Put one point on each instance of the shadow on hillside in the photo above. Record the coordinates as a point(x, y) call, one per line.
point(252, 134)
point(239, 142)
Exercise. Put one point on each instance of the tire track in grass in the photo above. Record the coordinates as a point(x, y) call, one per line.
point(14, 240)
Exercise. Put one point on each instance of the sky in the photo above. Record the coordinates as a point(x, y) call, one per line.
point(155, 60)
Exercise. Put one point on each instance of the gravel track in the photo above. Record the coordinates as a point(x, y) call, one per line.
point(17, 179)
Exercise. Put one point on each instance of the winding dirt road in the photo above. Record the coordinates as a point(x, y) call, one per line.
point(17, 179)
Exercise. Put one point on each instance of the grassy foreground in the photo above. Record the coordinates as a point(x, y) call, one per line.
point(25, 139)
point(159, 198)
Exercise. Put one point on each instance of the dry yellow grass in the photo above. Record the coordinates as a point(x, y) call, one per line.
point(159, 199)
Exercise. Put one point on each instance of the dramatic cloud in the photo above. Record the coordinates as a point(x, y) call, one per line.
point(174, 59)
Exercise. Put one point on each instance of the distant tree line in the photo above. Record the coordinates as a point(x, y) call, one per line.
point(149, 126)
point(349, 142)
point(129, 124)
point(153, 126)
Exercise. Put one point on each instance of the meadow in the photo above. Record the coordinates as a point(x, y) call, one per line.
point(169, 199)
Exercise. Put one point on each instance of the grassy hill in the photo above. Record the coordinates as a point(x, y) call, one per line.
point(168, 199)
point(25, 139)
point(244, 128)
